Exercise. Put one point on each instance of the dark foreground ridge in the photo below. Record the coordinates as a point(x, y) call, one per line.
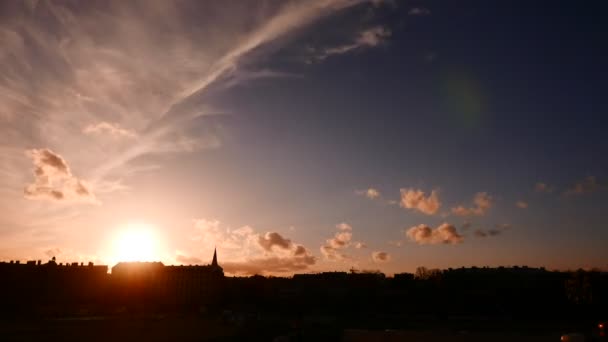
point(471, 300)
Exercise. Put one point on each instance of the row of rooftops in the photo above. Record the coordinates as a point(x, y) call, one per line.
point(50, 263)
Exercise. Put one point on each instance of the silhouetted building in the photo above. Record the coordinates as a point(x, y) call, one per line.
point(153, 282)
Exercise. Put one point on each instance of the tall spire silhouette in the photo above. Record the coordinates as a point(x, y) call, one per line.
point(214, 262)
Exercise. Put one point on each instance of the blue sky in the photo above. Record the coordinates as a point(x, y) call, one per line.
point(305, 136)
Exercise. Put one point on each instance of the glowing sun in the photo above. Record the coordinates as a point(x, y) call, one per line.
point(136, 242)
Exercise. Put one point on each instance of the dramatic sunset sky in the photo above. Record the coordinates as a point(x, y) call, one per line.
point(304, 136)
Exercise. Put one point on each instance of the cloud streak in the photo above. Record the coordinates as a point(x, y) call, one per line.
point(112, 129)
point(368, 38)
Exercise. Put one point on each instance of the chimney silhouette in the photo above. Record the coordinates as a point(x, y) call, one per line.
point(214, 262)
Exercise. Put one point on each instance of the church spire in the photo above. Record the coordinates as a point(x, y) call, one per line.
point(214, 262)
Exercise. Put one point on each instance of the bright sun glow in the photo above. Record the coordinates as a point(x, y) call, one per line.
point(136, 242)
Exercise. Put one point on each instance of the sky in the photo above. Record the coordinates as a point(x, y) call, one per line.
point(305, 136)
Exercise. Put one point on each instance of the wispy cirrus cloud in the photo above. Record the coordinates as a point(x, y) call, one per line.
point(97, 66)
point(112, 129)
point(368, 38)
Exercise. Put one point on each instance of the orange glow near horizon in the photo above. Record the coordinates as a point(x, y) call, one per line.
point(136, 242)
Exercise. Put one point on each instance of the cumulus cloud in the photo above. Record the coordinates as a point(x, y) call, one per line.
point(521, 204)
point(112, 129)
point(419, 11)
point(370, 193)
point(381, 257)
point(280, 255)
point(584, 186)
point(341, 240)
point(365, 39)
point(482, 202)
point(212, 234)
point(344, 227)
point(417, 199)
point(543, 187)
point(245, 251)
point(425, 235)
point(54, 180)
point(272, 239)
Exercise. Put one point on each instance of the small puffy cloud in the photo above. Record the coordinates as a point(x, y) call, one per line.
point(341, 240)
point(417, 199)
point(419, 11)
point(54, 180)
point(272, 239)
point(584, 186)
point(365, 39)
point(425, 235)
point(112, 129)
point(381, 257)
point(521, 204)
point(212, 234)
point(331, 253)
point(543, 187)
point(370, 193)
point(344, 227)
point(482, 202)
point(359, 245)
